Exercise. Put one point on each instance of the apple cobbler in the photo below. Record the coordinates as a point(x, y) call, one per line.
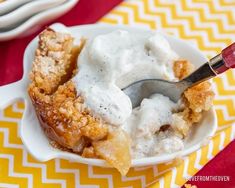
point(67, 98)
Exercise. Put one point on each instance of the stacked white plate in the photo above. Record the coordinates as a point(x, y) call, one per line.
point(21, 17)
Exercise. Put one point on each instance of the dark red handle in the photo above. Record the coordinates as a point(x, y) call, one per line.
point(223, 61)
point(228, 55)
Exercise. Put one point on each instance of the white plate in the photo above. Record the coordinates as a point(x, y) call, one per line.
point(25, 11)
point(37, 143)
point(38, 19)
point(8, 5)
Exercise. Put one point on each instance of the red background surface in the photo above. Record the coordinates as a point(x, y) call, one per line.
point(86, 12)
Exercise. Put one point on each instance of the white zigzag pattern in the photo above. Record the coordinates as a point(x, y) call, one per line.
point(219, 129)
point(228, 1)
point(210, 149)
point(216, 91)
point(76, 173)
point(185, 172)
point(232, 136)
point(221, 98)
point(11, 172)
point(221, 17)
point(6, 142)
point(174, 172)
point(115, 17)
point(197, 161)
point(8, 119)
point(141, 13)
point(226, 84)
point(43, 168)
point(15, 120)
point(161, 183)
point(201, 24)
point(16, 109)
point(172, 30)
point(184, 175)
point(225, 8)
point(142, 179)
point(98, 176)
point(156, 19)
point(2, 185)
point(26, 163)
point(131, 18)
point(187, 30)
point(225, 112)
point(222, 138)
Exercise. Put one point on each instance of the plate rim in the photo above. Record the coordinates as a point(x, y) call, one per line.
point(58, 10)
point(101, 162)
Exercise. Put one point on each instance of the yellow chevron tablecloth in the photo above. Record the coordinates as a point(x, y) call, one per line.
point(209, 25)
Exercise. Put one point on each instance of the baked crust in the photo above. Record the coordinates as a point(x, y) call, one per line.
point(55, 60)
point(196, 100)
point(182, 68)
point(61, 112)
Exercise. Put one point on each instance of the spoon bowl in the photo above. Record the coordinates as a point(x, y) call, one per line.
point(141, 89)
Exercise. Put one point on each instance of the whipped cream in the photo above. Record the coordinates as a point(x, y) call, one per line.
point(148, 118)
point(145, 121)
point(112, 61)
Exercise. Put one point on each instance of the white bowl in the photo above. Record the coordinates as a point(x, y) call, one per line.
point(37, 20)
point(10, 20)
point(37, 143)
point(8, 5)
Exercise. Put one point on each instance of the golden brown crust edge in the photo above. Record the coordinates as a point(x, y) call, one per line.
point(61, 112)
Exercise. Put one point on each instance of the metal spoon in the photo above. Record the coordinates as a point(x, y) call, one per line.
point(141, 89)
